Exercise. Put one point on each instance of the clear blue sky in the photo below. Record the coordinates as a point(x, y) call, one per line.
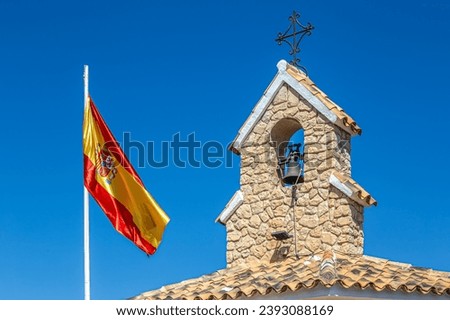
point(162, 67)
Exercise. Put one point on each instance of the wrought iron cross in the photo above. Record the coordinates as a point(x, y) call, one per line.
point(298, 32)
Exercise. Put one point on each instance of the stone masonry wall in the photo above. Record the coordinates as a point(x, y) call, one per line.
point(325, 218)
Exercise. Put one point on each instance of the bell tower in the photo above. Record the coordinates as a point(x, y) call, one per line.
point(296, 193)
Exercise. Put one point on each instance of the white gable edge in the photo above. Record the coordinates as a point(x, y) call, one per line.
point(348, 190)
point(235, 202)
point(258, 111)
point(282, 77)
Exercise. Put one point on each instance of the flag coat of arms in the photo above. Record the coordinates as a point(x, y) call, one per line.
point(115, 185)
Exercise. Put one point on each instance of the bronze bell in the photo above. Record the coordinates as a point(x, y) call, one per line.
point(293, 173)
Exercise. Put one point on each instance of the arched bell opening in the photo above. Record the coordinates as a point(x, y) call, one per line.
point(287, 137)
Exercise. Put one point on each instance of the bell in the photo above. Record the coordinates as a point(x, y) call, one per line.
point(293, 171)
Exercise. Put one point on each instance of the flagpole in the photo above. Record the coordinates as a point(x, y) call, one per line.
point(87, 273)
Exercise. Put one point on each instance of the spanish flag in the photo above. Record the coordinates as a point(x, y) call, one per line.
point(115, 185)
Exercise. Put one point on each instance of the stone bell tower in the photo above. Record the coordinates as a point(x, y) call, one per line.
point(268, 220)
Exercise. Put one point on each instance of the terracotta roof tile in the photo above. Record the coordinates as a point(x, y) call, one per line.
point(357, 192)
point(344, 118)
point(294, 275)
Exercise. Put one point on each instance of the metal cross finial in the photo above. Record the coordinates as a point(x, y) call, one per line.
point(299, 31)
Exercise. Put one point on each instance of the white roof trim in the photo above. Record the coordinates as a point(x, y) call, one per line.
point(338, 184)
point(281, 78)
point(348, 189)
point(232, 205)
point(258, 111)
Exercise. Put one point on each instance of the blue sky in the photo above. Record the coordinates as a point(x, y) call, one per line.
point(161, 68)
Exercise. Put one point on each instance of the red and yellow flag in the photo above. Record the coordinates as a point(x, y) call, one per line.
point(115, 185)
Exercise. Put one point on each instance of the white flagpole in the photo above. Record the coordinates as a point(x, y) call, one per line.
point(87, 273)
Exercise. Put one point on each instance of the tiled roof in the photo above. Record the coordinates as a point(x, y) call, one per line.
point(343, 117)
point(306, 273)
point(352, 189)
